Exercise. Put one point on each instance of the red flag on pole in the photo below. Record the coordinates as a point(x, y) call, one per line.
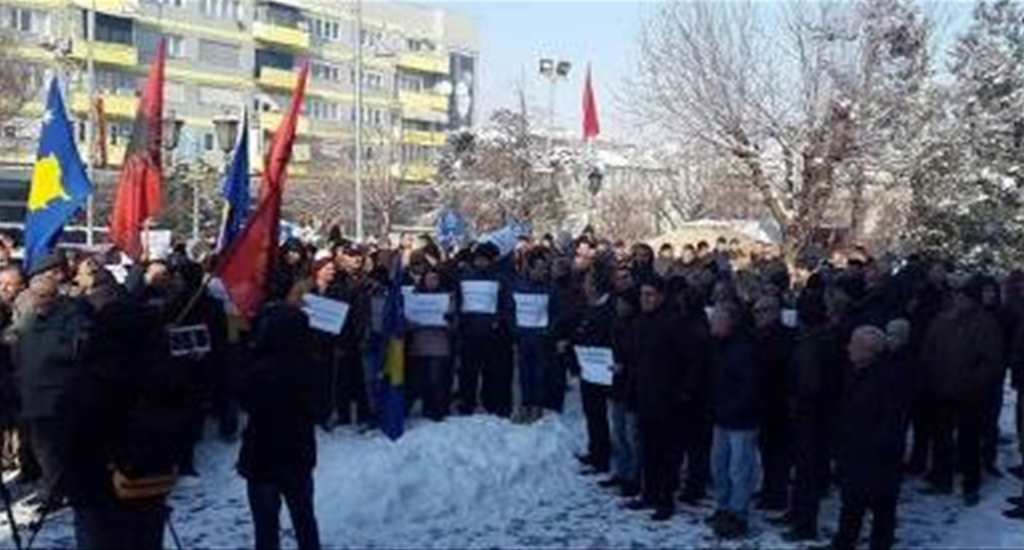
point(591, 128)
point(246, 263)
point(137, 197)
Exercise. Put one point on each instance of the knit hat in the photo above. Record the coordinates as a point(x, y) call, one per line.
point(319, 264)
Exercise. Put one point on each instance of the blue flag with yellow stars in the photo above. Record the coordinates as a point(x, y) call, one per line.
point(59, 185)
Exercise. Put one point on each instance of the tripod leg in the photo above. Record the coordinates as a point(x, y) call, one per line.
point(10, 515)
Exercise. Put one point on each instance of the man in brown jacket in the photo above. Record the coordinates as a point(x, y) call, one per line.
point(963, 357)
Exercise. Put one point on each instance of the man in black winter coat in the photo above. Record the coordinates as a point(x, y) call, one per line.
point(773, 344)
point(870, 448)
point(279, 445)
point(810, 376)
point(663, 381)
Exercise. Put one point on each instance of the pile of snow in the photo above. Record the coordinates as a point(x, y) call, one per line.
point(480, 482)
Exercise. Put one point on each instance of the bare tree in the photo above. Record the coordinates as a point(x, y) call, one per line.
point(800, 103)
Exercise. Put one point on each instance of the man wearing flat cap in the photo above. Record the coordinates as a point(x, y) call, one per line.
point(50, 340)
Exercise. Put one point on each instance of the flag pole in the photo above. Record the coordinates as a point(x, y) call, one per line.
point(90, 126)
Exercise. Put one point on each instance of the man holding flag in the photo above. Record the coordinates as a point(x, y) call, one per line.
point(59, 185)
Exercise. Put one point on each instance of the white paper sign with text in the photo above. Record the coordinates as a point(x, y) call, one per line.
point(480, 297)
point(427, 309)
point(325, 314)
point(531, 310)
point(596, 364)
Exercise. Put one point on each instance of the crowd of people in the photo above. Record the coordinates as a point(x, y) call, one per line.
point(730, 375)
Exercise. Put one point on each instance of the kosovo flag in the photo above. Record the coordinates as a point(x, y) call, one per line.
point(389, 349)
point(59, 185)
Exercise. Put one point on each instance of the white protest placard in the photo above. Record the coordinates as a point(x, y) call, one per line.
point(407, 290)
point(480, 297)
point(157, 242)
point(325, 314)
point(531, 310)
point(596, 364)
point(427, 309)
point(789, 318)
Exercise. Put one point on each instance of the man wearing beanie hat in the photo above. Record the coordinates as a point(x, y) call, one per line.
point(486, 365)
point(962, 356)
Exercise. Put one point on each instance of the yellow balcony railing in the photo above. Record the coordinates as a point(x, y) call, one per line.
point(110, 53)
point(426, 62)
point(423, 101)
point(117, 106)
point(419, 137)
point(270, 122)
point(108, 6)
point(277, 34)
point(278, 78)
point(415, 173)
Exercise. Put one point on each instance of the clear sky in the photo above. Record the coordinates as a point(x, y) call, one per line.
point(514, 35)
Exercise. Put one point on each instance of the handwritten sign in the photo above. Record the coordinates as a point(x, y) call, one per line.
point(427, 309)
point(531, 310)
point(325, 314)
point(480, 297)
point(596, 364)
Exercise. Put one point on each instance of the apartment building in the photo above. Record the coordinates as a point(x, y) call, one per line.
point(418, 81)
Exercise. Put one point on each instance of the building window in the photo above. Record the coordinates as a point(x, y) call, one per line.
point(172, 3)
point(410, 83)
point(208, 142)
point(376, 117)
point(25, 20)
point(175, 46)
point(117, 30)
point(219, 54)
point(223, 9)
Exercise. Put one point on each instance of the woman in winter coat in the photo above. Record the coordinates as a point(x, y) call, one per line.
point(430, 354)
point(278, 445)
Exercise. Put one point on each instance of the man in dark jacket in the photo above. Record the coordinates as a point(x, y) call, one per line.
point(486, 359)
point(124, 415)
point(279, 445)
point(662, 381)
point(928, 302)
point(735, 396)
point(48, 352)
point(871, 426)
point(962, 354)
point(813, 357)
point(774, 345)
point(596, 328)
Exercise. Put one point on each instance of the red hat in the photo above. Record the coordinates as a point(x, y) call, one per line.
point(319, 264)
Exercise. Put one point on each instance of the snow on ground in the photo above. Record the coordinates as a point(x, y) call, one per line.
point(480, 482)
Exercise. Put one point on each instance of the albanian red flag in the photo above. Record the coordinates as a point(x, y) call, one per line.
point(245, 266)
point(591, 128)
point(137, 197)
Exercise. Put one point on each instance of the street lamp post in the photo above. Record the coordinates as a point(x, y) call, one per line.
point(225, 127)
point(171, 127)
point(359, 120)
point(555, 72)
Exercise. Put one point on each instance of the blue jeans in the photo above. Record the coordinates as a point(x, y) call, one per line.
point(734, 469)
point(625, 442)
